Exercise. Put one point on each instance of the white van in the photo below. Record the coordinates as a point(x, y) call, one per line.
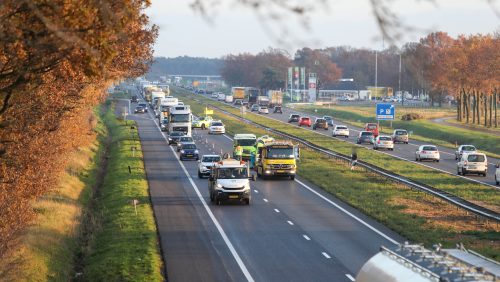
point(221, 97)
point(229, 99)
point(473, 163)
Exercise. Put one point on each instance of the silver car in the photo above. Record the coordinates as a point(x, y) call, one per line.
point(383, 142)
point(464, 149)
point(400, 135)
point(427, 152)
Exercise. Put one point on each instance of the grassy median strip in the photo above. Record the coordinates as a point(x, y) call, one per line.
point(423, 130)
point(474, 192)
point(420, 218)
point(122, 240)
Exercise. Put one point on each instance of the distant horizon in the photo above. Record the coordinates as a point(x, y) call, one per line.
point(234, 29)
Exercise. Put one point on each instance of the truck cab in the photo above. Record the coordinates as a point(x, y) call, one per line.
point(180, 119)
point(230, 180)
point(247, 141)
point(277, 158)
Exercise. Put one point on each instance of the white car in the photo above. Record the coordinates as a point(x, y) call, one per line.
point(340, 130)
point(263, 110)
point(216, 127)
point(205, 164)
point(427, 152)
point(383, 142)
point(214, 95)
point(472, 163)
point(221, 97)
point(497, 174)
point(464, 149)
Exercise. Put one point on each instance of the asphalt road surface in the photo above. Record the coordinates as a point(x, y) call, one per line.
point(447, 163)
point(291, 231)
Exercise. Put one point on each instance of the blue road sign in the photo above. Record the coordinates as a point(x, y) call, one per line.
point(385, 111)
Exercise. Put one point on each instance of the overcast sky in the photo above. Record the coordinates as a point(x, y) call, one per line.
point(236, 29)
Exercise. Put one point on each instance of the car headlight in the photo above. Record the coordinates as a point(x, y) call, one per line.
point(182, 151)
point(196, 152)
point(219, 185)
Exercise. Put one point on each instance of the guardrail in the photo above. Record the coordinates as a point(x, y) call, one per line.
point(452, 199)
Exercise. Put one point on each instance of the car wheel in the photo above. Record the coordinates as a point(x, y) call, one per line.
point(416, 159)
point(497, 181)
point(392, 149)
point(200, 175)
point(247, 202)
point(458, 170)
point(212, 197)
point(333, 135)
point(437, 161)
point(375, 148)
point(484, 174)
point(292, 177)
point(464, 171)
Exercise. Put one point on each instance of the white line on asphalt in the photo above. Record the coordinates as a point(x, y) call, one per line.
point(348, 213)
point(227, 137)
point(289, 222)
point(237, 257)
point(326, 255)
point(306, 237)
point(276, 210)
point(350, 277)
point(265, 200)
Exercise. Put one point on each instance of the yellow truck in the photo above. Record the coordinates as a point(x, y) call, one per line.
point(238, 93)
point(277, 158)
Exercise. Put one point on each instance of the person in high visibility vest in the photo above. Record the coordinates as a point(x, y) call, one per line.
point(238, 152)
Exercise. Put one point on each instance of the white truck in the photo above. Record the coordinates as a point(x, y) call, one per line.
point(229, 180)
point(155, 98)
point(229, 99)
point(180, 119)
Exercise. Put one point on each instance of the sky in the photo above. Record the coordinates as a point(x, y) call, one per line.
point(231, 28)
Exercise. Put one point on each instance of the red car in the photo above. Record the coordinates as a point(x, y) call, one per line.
point(372, 127)
point(305, 121)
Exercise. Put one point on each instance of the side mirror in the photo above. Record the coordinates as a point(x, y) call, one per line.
point(296, 150)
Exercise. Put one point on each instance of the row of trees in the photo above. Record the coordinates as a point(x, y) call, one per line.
point(56, 59)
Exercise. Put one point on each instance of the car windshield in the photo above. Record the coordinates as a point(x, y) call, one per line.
point(468, 148)
point(401, 132)
point(280, 153)
point(189, 146)
point(429, 148)
point(232, 173)
point(384, 138)
point(186, 139)
point(294, 116)
point(177, 133)
point(364, 133)
point(179, 118)
point(210, 159)
point(245, 142)
point(217, 124)
point(138, 108)
point(371, 126)
point(476, 158)
point(142, 104)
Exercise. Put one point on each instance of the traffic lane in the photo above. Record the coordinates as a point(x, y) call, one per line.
point(350, 241)
point(272, 248)
point(192, 249)
point(406, 152)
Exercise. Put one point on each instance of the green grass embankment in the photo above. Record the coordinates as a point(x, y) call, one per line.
point(475, 192)
point(123, 243)
point(422, 130)
point(412, 214)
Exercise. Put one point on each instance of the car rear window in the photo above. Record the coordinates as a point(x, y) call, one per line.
point(476, 158)
point(371, 126)
point(366, 133)
point(305, 118)
point(176, 133)
point(468, 148)
point(341, 127)
point(217, 124)
point(401, 132)
point(186, 139)
point(327, 118)
point(320, 120)
point(295, 116)
point(429, 148)
point(385, 138)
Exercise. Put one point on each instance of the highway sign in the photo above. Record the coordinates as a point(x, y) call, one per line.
point(385, 111)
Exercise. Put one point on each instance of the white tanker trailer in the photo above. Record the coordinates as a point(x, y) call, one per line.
point(414, 263)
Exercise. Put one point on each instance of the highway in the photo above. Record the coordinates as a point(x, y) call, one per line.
point(447, 164)
point(291, 231)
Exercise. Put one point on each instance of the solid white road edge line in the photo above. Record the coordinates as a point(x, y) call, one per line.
point(237, 257)
point(350, 277)
point(348, 213)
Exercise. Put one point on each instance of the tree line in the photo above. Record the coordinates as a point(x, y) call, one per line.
point(56, 60)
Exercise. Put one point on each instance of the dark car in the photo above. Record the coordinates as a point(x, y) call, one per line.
point(184, 140)
point(144, 105)
point(139, 109)
point(164, 125)
point(277, 109)
point(365, 137)
point(189, 151)
point(320, 123)
point(174, 137)
point(329, 120)
point(254, 108)
point(134, 99)
point(294, 118)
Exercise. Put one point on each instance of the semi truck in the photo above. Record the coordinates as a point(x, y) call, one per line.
point(180, 119)
point(251, 95)
point(165, 105)
point(263, 101)
point(275, 98)
point(277, 158)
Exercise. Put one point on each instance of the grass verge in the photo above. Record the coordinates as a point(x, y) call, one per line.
point(413, 214)
point(122, 242)
point(423, 130)
point(474, 192)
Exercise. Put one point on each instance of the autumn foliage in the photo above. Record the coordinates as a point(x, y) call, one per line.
point(56, 60)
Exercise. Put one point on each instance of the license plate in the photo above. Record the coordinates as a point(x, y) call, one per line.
point(280, 171)
point(472, 167)
point(233, 197)
point(189, 155)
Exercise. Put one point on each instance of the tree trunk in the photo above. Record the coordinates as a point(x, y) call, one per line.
point(478, 107)
point(495, 94)
point(491, 110)
point(467, 106)
point(474, 102)
point(485, 99)
point(459, 106)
